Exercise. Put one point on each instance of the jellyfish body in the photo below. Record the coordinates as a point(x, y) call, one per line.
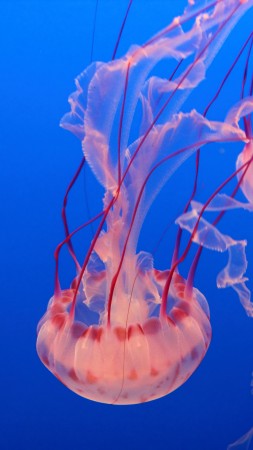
point(126, 332)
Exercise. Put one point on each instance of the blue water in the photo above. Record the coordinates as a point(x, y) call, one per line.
point(44, 45)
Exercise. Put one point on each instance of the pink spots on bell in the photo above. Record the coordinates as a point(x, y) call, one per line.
point(72, 375)
point(195, 353)
point(95, 333)
point(44, 358)
point(152, 326)
point(178, 314)
point(160, 275)
point(171, 322)
point(154, 372)
point(67, 296)
point(120, 333)
point(79, 391)
point(57, 308)
point(58, 320)
point(133, 375)
point(78, 329)
point(91, 378)
point(134, 330)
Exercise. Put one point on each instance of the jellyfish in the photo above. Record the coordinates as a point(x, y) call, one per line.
point(126, 332)
point(243, 443)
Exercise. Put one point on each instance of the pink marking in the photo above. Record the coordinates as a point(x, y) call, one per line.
point(67, 296)
point(133, 375)
point(95, 333)
point(72, 374)
point(160, 275)
point(45, 360)
point(154, 372)
point(185, 306)
point(78, 329)
point(195, 353)
point(152, 326)
point(135, 330)
point(120, 333)
point(91, 378)
point(59, 320)
point(178, 315)
point(56, 308)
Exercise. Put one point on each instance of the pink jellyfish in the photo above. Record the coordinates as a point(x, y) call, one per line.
point(125, 332)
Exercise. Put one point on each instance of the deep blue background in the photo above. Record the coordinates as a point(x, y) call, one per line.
point(44, 45)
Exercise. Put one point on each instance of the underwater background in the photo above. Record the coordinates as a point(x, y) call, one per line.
point(44, 46)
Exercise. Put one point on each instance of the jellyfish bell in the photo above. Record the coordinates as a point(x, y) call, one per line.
point(126, 332)
point(140, 356)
